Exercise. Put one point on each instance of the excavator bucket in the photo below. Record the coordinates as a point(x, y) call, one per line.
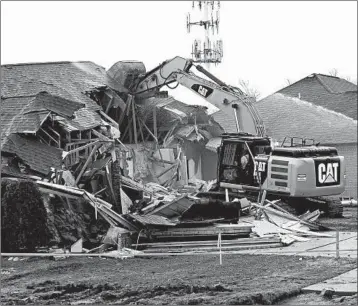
point(125, 72)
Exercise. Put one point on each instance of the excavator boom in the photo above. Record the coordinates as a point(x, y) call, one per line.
point(238, 105)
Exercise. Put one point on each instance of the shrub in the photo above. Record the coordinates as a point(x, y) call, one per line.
point(24, 218)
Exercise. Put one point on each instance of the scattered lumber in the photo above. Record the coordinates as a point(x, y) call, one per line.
point(206, 243)
point(205, 231)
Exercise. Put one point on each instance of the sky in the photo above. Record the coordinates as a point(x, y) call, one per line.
point(265, 42)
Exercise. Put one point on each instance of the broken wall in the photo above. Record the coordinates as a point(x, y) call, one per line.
point(209, 162)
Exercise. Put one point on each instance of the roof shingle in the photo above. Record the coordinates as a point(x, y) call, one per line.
point(38, 156)
point(286, 116)
point(327, 91)
point(69, 80)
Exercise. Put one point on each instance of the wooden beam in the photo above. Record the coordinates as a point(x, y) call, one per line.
point(41, 129)
point(86, 163)
point(124, 112)
point(109, 179)
point(109, 105)
point(166, 170)
point(134, 124)
point(155, 123)
point(146, 127)
point(111, 121)
point(83, 147)
point(140, 129)
point(127, 129)
point(57, 134)
point(100, 191)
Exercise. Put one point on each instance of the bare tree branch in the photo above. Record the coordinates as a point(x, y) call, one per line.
point(248, 89)
point(288, 82)
point(333, 72)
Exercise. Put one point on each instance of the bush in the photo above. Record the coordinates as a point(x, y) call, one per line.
point(24, 217)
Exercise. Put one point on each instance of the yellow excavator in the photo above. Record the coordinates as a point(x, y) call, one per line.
point(301, 173)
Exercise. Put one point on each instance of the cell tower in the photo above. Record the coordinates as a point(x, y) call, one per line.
point(211, 50)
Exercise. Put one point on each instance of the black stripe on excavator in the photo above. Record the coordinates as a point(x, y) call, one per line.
point(278, 169)
point(279, 176)
point(279, 162)
point(281, 184)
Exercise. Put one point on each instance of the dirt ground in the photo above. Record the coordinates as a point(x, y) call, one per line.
point(347, 223)
point(242, 279)
point(318, 299)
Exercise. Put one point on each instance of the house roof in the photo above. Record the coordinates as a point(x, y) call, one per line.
point(38, 156)
point(327, 91)
point(286, 116)
point(84, 119)
point(14, 119)
point(27, 114)
point(334, 84)
point(46, 102)
point(68, 80)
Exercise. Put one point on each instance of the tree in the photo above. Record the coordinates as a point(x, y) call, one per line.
point(288, 82)
point(333, 72)
point(24, 223)
point(248, 89)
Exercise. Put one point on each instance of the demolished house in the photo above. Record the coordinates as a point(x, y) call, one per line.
point(111, 164)
point(72, 124)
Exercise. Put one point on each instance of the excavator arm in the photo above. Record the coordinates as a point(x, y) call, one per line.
point(237, 104)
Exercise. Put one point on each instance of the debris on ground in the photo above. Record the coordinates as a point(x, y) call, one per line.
point(119, 169)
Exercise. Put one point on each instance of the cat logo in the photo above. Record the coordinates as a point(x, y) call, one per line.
point(261, 167)
point(260, 171)
point(203, 91)
point(327, 173)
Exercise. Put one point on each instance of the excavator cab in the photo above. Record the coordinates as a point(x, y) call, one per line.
point(242, 159)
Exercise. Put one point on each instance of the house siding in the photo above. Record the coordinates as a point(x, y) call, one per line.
point(349, 151)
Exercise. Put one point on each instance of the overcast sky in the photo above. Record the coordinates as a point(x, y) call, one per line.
point(264, 42)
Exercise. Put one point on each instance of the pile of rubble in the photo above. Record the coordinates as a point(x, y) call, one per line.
point(110, 164)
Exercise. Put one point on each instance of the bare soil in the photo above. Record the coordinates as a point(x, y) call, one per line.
point(318, 299)
point(190, 280)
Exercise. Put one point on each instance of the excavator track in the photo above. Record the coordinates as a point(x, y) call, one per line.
point(331, 206)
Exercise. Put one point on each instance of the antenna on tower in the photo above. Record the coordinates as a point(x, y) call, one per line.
point(211, 50)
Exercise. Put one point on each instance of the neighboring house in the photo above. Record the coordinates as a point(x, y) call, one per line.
point(286, 116)
point(328, 91)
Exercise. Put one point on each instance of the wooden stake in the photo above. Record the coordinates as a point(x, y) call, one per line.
point(337, 244)
point(86, 163)
point(219, 246)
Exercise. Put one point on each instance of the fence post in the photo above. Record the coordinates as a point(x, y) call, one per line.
point(219, 246)
point(337, 244)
